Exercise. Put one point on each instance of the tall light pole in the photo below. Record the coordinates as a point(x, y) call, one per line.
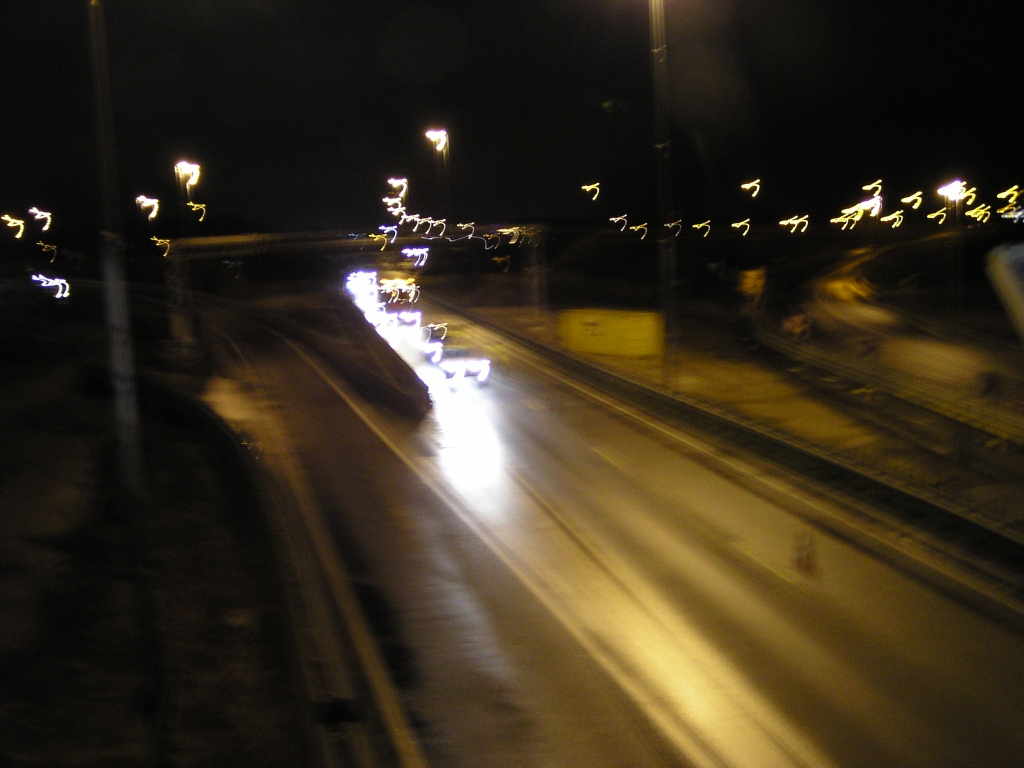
point(122, 364)
point(663, 173)
point(442, 146)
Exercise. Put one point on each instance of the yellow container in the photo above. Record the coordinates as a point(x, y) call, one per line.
point(612, 332)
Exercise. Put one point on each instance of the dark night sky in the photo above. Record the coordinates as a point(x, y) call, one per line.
point(300, 110)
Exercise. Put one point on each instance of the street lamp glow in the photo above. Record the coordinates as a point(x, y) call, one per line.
point(148, 202)
point(955, 190)
point(187, 173)
point(439, 138)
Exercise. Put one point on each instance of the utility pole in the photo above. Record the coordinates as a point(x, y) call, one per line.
point(663, 171)
point(122, 365)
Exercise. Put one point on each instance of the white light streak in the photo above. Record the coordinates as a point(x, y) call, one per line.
point(619, 219)
point(678, 224)
point(150, 203)
point(41, 215)
point(63, 289)
point(439, 138)
point(392, 230)
point(419, 254)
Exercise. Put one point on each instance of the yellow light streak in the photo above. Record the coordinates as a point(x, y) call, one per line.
point(638, 227)
point(914, 200)
point(595, 188)
point(705, 225)
point(198, 207)
point(51, 248)
point(40, 215)
point(754, 185)
point(796, 222)
point(1010, 195)
point(407, 217)
point(744, 225)
point(150, 203)
point(939, 214)
point(678, 224)
point(188, 174)
point(470, 225)
point(896, 217)
point(850, 216)
point(875, 188)
point(163, 243)
point(443, 223)
point(1007, 209)
point(619, 220)
point(12, 222)
point(382, 239)
point(515, 234)
point(981, 213)
point(439, 138)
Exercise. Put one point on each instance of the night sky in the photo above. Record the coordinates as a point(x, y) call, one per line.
point(300, 110)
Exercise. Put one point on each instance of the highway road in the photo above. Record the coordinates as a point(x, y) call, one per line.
point(561, 581)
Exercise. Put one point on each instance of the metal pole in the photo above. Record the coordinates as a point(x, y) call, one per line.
point(122, 368)
point(667, 281)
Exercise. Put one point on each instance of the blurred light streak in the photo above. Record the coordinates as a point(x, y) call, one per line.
point(678, 224)
point(40, 215)
point(63, 289)
point(438, 222)
point(619, 219)
point(744, 225)
point(439, 138)
point(595, 188)
point(796, 222)
point(914, 200)
point(420, 254)
point(957, 190)
point(392, 230)
point(896, 217)
point(875, 188)
point(198, 207)
point(850, 216)
point(981, 213)
point(705, 225)
point(754, 185)
point(12, 222)
point(459, 368)
point(150, 203)
point(515, 234)
point(1010, 195)
point(51, 248)
point(188, 174)
point(638, 227)
point(430, 328)
point(164, 243)
point(382, 239)
point(403, 183)
point(939, 214)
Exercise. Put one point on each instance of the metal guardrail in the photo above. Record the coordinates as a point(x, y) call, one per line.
point(767, 439)
point(988, 417)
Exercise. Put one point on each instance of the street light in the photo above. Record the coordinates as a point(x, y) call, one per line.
point(442, 144)
point(955, 192)
point(663, 172)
